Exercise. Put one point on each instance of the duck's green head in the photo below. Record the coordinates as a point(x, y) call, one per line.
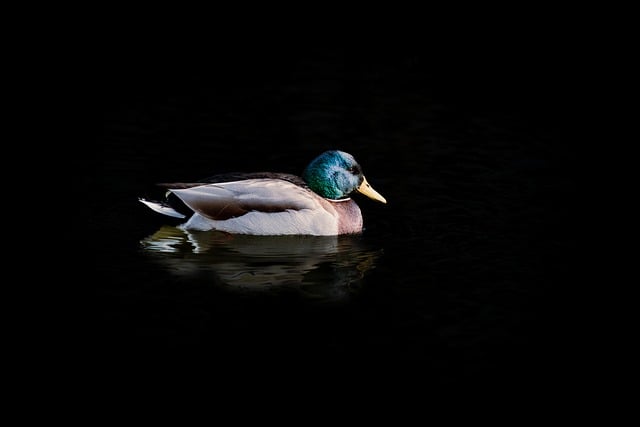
point(335, 175)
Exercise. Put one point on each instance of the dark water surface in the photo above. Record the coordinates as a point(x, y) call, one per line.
point(463, 275)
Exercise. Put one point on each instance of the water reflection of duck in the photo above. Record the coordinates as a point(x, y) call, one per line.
point(318, 203)
point(318, 266)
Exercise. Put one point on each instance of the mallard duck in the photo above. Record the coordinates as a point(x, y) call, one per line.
point(267, 203)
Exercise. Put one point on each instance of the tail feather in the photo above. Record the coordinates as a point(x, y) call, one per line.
point(162, 208)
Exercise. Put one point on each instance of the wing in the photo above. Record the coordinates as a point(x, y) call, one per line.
point(226, 200)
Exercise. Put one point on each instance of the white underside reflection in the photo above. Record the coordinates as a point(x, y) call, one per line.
point(320, 267)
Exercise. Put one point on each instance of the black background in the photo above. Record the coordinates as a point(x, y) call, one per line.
point(520, 76)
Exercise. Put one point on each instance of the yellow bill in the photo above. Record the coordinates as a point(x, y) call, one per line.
point(368, 191)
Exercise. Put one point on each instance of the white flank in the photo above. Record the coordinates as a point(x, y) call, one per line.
point(303, 212)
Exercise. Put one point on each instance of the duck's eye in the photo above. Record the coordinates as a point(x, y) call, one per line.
point(354, 170)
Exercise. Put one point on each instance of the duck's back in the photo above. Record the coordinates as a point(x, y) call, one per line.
point(237, 176)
